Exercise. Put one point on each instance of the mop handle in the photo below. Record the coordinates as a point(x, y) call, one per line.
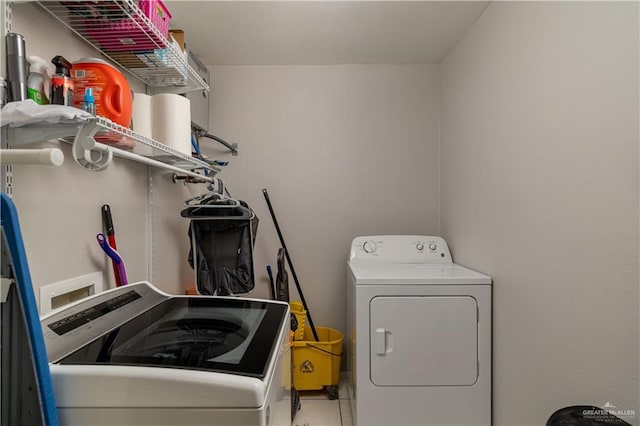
point(293, 272)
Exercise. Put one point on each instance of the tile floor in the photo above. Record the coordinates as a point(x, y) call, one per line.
point(317, 410)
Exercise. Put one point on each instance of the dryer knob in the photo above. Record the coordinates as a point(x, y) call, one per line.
point(433, 246)
point(369, 246)
point(420, 246)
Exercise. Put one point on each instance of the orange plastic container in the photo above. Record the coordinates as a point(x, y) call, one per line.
point(110, 89)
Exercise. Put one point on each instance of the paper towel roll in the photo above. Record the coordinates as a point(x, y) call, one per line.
point(171, 118)
point(141, 116)
point(141, 121)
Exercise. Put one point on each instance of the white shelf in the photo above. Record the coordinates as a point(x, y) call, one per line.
point(97, 140)
point(151, 57)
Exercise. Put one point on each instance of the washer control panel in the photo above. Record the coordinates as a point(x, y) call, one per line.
point(400, 248)
point(69, 328)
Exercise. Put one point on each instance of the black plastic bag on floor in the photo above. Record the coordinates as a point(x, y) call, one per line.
point(584, 415)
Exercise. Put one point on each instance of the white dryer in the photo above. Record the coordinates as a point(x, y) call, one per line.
point(418, 334)
point(136, 356)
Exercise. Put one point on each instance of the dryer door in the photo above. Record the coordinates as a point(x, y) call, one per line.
point(424, 340)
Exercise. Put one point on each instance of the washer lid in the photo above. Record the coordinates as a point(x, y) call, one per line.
point(135, 325)
point(415, 274)
point(199, 333)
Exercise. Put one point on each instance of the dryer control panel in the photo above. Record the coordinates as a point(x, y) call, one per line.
point(400, 249)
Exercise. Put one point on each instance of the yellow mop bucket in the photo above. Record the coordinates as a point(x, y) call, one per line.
point(317, 364)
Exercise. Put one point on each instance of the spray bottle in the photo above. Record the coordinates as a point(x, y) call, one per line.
point(89, 101)
point(61, 83)
point(35, 83)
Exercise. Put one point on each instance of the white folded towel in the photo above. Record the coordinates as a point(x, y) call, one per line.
point(21, 113)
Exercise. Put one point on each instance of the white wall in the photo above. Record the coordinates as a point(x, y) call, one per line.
point(169, 235)
point(343, 151)
point(539, 172)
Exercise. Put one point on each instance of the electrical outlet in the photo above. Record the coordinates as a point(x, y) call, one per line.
point(61, 293)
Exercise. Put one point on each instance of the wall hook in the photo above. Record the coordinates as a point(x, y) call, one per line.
point(87, 152)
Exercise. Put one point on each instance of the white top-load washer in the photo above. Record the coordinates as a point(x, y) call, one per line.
point(136, 356)
point(418, 334)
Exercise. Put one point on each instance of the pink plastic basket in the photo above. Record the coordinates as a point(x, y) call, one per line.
point(158, 13)
point(131, 34)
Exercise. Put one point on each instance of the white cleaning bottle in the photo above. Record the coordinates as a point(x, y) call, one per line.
point(37, 77)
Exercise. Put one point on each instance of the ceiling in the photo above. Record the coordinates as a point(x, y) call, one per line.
point(322, 32)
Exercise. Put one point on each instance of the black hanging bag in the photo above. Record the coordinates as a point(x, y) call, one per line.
point(222, 234)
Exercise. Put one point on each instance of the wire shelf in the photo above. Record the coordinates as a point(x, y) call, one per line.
point(124, 34)
point(121, 137)
point(122, 141)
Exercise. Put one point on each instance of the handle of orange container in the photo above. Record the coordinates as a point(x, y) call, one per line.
point(116, 105)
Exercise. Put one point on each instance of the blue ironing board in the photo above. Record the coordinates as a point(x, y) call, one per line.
point(21, 303)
